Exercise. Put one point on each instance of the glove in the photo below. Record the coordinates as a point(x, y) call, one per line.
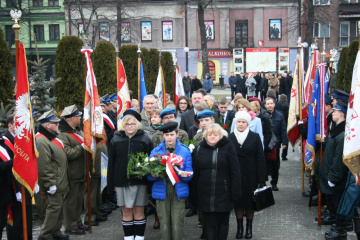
point(331, 184)
point(52, 190)
point(300, 122)
point(18, 197)
point(37, 188)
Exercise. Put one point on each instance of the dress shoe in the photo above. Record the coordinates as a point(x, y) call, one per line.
point(191, 213)
point(83, 227)
point(76, 231)
point(284, 159)
point(187, 204)
point(328, 220)
point(101, 219)
point(93, 223)
point(348, 227)
point(62, 237)
point(338, 234)
point(274, 188)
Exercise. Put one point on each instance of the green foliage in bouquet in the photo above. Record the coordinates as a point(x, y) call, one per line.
point(140, 165)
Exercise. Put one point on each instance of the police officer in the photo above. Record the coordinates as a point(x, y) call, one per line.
point(109, 124)
point(112, 112)
point(53, 178)
point(73, 140)
point(168, 115)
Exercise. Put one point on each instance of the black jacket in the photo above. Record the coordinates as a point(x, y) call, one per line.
point(251, 158)
point(288, 85)
point(229, 117)
point(267, 126)
point(258, 82)
point(279, 127)
point(285, 111)
point(195, 84)
point(241, 86)
point(264, 84)
point(6, 191)
point(120, 148)
point(217, 173)
point(108, 130)
point(282, 89)
point(186, 83)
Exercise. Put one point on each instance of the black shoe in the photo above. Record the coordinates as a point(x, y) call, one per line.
point(62, 237)
point(248, 232)
point(338, 234)
point(101, 219)
point(348, 227)
point(240, 229)
point(187, 204)
point(93, 223)
point(75, 231)
point(191, 213)
point(284, 159)
point(274, 188)
point(328, 220)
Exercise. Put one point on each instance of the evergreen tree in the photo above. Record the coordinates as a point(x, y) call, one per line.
point(349, 67)
point(70, 69)
point(41, 88)
point(104, 63)
point(168, 69)
point(6, 82)
point(341, 68)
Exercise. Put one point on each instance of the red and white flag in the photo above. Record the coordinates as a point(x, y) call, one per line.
point(179, 88)
point(93, 118)
point(123, 96)
point(160, 89)
point(25, 152)
point(308, 85)
point(351, 157)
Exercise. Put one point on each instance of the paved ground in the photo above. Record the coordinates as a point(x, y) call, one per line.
point(289, 218)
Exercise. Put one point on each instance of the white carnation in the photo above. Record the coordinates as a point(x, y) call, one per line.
point(146, 159)
point(191, 147)
point(152, 159)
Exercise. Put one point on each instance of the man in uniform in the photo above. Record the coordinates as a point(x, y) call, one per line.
point(168, 115)
point(53, 177)
point(339, 95)
point(73, 140)
point(109, 124)
point(112, 112)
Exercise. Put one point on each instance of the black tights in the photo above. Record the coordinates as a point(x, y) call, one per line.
point(249, 212)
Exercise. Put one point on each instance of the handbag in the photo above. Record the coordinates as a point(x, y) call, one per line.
point(263, 198)
point(273, 142)
point(272, 155)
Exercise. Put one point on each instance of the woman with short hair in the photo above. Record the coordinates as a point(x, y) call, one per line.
point(131, 191)
point(183, 104)
point(217, 174)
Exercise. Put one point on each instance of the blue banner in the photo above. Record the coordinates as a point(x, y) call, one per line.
point(142, 86)
point(327, 78)
point(104, 166)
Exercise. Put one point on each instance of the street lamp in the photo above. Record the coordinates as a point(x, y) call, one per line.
point(186, 50)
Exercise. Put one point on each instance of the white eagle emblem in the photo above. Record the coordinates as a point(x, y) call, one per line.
point(22, 116)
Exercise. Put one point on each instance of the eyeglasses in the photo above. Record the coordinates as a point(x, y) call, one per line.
point(168, 118)
point(183, 103)
point(130, 124)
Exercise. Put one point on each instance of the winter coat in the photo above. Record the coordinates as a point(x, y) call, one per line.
point(333, 80)
point(208, 84)
point(285, 111)
point(52, 163)
point(181, 188)
point(251, 89)
point(278, 121)
point(109, 130)
point(255, 125)
point(186, 83)
point(288, 85)
point(233, 80)
point(241, 86)
point(75, 153)
point(350, 197)
point(217, 174)
point(258, 82)
point(120, 148)
point(6, 192)
point(274, 84)
point(332, 167)
point(195, 84)
point(267, 126)
point(251, 158)
point(264, 84)
point(150, 131)
point(282, 88)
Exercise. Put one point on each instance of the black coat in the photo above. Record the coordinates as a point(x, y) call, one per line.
point(186, 83)
point(217, 174)
point(258, 82)
point(241, 86)
point(251, 158)
point(278, 106)
point(288, 85)
point(195, 84)
point(264, 84)
point(279, 127)
point(120, 148)
point(6, 191)
point(282, 89)
point(188, 119)
point(267, 126)
point(285, 111)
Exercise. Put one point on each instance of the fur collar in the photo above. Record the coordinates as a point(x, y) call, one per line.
point(46, 133)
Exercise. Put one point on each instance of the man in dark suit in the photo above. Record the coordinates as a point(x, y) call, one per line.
point(241, 86)
point(264, 86)
point(282, 89)
point(225, 116)
point(257, 78)
point(188, 118)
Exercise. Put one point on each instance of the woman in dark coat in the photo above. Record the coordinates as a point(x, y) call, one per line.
point(252, 167)
point(217, 174)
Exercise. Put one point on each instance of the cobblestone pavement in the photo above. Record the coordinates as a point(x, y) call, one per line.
point(289, 218)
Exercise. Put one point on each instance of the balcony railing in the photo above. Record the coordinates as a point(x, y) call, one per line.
point(241, 42)
point(348, 9)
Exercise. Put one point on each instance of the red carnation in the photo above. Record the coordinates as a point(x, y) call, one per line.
point(226, 127)
point(155, 156)
point(168, 154)
point(163, 161)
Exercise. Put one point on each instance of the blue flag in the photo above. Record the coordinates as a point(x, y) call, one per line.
point(104, 166)
point(142, 86)
point(327, 78)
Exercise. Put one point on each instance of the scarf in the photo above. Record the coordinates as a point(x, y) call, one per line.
point(157, 126)
point(241, 136)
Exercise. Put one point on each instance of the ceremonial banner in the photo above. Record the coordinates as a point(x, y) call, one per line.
point(93, 119)
point(294, 108)
point(123, 96)
point(142, 86)
point(104, 166)
point(25, 151)
point(351, 156)
point(327, 79)
point(160, 89)
point(179, 88)
point(310, 78)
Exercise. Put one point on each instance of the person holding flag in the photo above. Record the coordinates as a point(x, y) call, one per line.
point(53, 175)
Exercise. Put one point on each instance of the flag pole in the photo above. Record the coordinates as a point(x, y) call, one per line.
point(139, 62)
point(16, 28)
point(87, 155)
point(117, 77)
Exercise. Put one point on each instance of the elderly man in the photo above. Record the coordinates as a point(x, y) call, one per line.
point(53, 175)
point(187, 84)
point(149, 105)
point(72, 138)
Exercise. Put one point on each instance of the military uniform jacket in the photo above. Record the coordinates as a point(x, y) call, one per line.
point(52, 163)
point(75, 153)
point(157, 138)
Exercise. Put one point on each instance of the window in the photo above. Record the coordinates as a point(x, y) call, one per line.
point(54, 31)
point(344, 34)
point(322, 30)
point(53, 3)
point(241, 33)
point(37, 3)
point(9, 33)
point(39, 32)
point(321, 2)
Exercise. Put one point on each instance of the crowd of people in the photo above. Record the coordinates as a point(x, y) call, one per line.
point(232, 158)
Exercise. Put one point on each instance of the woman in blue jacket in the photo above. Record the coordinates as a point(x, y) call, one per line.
point(170, 199)
point(208, 83)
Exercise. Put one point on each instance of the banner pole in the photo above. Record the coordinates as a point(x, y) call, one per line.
point(139, 62)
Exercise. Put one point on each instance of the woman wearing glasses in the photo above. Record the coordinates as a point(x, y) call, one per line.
point(131, 192)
